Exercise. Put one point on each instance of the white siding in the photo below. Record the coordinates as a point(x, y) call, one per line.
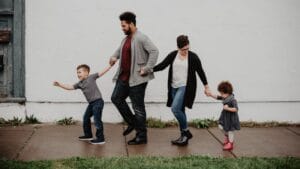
point(252, 43)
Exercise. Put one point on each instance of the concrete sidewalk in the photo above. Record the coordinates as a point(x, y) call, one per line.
point(40, 142)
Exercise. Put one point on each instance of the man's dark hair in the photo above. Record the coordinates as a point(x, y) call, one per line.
point(129, 17)
point(225, 87)
point(84, 66)
point(182, 41)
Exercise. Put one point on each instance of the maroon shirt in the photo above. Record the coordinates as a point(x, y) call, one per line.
point(126, 60)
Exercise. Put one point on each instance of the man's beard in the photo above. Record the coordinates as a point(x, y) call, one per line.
point(128, 32)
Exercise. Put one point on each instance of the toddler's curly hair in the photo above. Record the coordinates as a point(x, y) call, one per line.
point(225, 87)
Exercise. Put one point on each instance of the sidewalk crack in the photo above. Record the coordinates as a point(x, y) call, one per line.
point(25, 143)
point(292, 131)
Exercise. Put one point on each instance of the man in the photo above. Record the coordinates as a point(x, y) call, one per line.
point(137, 55)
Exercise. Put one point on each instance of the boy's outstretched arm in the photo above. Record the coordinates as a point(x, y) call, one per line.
point(64, 86)
point(104, 71)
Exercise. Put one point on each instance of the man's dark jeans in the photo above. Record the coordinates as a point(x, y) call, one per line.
point(94, 109)
point(137, 95)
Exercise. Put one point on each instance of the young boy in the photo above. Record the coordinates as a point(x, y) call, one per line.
point(87, 83)
point(229, 118)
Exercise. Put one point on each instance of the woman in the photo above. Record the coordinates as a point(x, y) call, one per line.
point(182, 84)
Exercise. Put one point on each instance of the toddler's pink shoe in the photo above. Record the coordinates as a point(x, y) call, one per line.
point(226, 140)
point(228, 146)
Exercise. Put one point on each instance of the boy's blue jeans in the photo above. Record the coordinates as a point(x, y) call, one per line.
point(178, 107)
point(94, 109)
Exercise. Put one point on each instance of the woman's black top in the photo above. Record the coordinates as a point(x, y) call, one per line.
point(194, 65)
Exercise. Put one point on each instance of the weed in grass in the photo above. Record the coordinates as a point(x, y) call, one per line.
point(66, 121)
point(158, 123)
point(206, 123)
point(31, 120)
point(2, 121)
point(197, 123)
point(268, 124)
point(15, 121)
point(203, 123)
point(171, 123)
point(155, 123)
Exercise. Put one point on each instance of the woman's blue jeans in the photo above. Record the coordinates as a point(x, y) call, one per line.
point(178, 107)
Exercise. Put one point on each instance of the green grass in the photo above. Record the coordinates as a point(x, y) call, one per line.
point(188, 162)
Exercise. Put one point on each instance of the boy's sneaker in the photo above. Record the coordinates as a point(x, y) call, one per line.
point(85, 138)
point(97, 141)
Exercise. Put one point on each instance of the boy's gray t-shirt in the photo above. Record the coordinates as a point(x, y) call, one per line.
point(89, 88)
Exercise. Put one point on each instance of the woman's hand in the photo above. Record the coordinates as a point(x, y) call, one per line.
point(143, 72)
point(207, 91)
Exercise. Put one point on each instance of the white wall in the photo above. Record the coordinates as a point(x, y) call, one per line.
point(252, 43)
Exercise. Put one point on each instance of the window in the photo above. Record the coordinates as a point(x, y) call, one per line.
point(12, 82)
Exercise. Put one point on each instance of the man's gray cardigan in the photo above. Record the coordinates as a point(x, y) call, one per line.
point(143, 54)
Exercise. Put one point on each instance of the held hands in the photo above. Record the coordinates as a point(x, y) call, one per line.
point(112, 61)
point(105, 70)
point(143, 72)
point(207, 91)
